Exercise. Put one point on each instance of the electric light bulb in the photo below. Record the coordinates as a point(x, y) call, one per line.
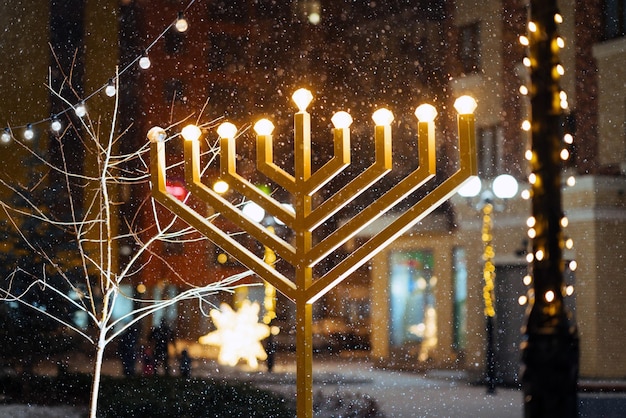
point(571, 181)
point(573, 265)
point(526, 194)
point(529, 258)
point(264, 127)
point(526, 125)
point(156, 134)
point(181, 24)
point(56, 125)
point(523, 90)
point(110, 89)
point(560, 69)
point(6, 136)
point(532, 178)
point(564, 222)
point(80, 110)
point(144, 62)
point(226, 130)
point(382, 117)
point(539, 255)
point(558, 18)
point(549, 296)
point(426, 113)
point(523, 39)
point(522, 300)
point(191, 133)
point(471, 187)
point(532, 26)
point(564, 154)
point(569, 243)
point(532, 233)
point(569, 290)
point(465, 105)
point(568, 138)
point(560, 42)
point(527, 280)
point(531, 222)
point(341, 120)
point(302, 98)
point(528, 155)
point(29, 133)
point(526, 62)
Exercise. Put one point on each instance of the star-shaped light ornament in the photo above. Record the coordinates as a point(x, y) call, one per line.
point(238, 334)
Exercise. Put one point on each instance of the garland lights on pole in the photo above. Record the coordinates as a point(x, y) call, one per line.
point(550, 348)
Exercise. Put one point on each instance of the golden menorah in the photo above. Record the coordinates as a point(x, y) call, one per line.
point(302, 253)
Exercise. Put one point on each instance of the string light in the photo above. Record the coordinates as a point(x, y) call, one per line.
point(144, 61)
point(526, 125)
point(526, 62)
point(56, 125)
point(569, 243)
point(523, 90)
point(29, 133)
point(80, 109)
point(181, 24)
point(110, 88)
point(528, 155)
point(568, 139)
point(6, 136)
point(523, 39)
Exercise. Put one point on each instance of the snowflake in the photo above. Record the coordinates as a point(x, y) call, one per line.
point(238, 334)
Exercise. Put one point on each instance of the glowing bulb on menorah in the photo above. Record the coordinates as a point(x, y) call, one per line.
point(302, 217)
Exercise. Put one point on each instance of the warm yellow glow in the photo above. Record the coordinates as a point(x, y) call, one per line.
point(532, 178)
point(141, 288)
point(573, 265)
point(526, 62)
point(571, 181)
point(341, 120)
point(526, 194)
point(523, 90)
point(382, 117)
point(181, 24)
point(527, 280)
point(222, 258)
point(529, 257)
point(568, 138)
point(238, 334)
point(220, 187)
point(264, 127)
point(524, 40)
point(539, 255)
point(156, 134)
point(560, 42)
point(569, 290)
point(564, 154)
point(227, 130)
point(532, 26)
point(528, 155)
point(558, 18)
point(526, 125)
point(465, 105)
point(522, 300)
point(302, 98)
point(549, 296)
point(191, 133)
point(531, 221)
point(426, 113)
point(560, 69)
point(569, 243)
point(532, 233)
point(564, 222)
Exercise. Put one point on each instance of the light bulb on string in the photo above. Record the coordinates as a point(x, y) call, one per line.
point(29, 133)
point(6, 136)
point(181, 24)
point(56, 125)
point(80, 109)
point(110, 88)
point(144, 61)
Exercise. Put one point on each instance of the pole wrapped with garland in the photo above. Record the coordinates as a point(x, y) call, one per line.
point(550, 349)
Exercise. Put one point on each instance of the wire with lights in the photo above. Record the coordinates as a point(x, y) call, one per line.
point(180, 24)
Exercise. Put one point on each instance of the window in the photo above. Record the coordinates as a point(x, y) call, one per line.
point(614, 18)
point(489, 151)
point(469, 48)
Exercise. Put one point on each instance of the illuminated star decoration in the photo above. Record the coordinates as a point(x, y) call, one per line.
point(238, 334)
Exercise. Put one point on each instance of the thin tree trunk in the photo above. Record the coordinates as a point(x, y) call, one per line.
point(97, 372)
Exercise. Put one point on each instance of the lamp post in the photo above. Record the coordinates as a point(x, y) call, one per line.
point(503, 187)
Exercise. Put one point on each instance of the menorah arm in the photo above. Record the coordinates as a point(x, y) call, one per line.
point(228, 171)
point(338, 163)
point(266, 165)
point(412, 182)
point(224, 207)
point(382, 165)
point(206, 228)
point(394, 230)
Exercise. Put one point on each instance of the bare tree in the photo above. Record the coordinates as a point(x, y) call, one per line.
point(90, 280)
